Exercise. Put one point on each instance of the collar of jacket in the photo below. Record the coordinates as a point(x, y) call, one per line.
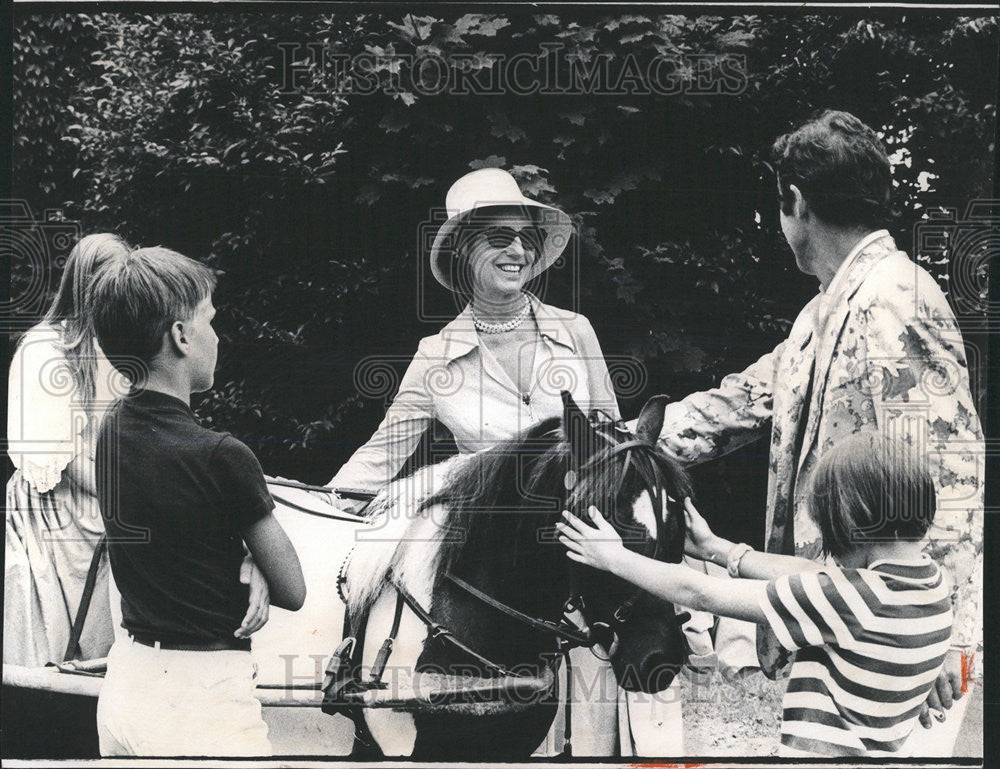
point(871, 251)
point(855, 268)
point(460, 337)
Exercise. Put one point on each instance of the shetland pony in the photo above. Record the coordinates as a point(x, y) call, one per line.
point(488, 519)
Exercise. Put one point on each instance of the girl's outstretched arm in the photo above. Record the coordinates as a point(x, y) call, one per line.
point(703, 543)
point(601, 547)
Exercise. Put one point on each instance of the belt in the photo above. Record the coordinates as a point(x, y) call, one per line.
point(234, 644)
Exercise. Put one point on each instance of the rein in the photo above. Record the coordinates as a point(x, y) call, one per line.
point(562, 630)
point(340, 515)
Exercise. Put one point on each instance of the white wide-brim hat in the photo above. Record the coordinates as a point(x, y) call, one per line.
point(480, 197)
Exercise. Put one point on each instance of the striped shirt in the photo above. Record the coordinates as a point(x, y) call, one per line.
point(869, 642)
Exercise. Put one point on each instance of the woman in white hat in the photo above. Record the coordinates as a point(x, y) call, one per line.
point(499, 366)
point(495, 370)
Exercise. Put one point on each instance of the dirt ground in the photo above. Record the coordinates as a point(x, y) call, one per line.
point(731, 717)
point(742, 716)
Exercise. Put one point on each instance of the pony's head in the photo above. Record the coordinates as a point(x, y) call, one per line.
point(503, 509)
point(640, 491)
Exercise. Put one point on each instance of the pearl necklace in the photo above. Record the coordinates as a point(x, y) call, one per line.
point(507, 325)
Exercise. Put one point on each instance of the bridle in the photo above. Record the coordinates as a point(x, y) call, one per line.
point(638, 453)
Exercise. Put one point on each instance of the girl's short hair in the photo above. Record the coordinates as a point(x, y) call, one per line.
point(869, 488)
point(137, 297)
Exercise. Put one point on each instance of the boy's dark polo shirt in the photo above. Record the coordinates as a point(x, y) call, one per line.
point(194, 492)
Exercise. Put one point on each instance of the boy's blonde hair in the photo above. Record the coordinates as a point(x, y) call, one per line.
point(138, 295)
point(869, 488)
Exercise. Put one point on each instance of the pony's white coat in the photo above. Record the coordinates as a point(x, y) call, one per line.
point(643, 513)
point(407, 540)
point(401, 537)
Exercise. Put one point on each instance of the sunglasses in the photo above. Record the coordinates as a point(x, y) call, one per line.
point(501, 236)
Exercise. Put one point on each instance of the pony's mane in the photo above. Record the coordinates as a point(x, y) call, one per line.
point(506, 489)
point(404, 535)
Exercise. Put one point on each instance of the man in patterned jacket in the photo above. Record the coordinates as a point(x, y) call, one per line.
point(878, 347)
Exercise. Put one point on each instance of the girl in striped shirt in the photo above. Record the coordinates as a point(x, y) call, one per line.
point(869, 633)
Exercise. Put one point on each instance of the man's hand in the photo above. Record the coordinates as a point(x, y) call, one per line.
point(700, 541)
point(598, 545)
point(946, 689)
point(260, 599)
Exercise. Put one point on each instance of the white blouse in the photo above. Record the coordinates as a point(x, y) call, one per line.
point(454, 379)
point(47, 424)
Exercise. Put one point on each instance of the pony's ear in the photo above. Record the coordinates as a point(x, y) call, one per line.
point(580, 434)
point(650, 421)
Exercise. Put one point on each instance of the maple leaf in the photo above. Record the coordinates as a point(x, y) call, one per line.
point(576, 118)
point(393, 122)
point(548, 20)
point(415, 27)
point(635, 38)
point(369, 194)
point(734, 39)
point(493, 161)
point(481, 24)
point(613, 24)
point(500, 126)
point(531, 179)
point(599, 196)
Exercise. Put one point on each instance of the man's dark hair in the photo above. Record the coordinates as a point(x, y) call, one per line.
point(841, 168)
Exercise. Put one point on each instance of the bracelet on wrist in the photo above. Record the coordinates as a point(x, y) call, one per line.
point(736, 553)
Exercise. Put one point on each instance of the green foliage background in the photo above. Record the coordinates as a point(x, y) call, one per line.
point(175, 129)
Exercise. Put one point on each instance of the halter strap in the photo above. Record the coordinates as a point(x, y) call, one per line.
point(558, 629)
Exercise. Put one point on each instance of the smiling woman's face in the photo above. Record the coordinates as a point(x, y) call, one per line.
point(499, 256)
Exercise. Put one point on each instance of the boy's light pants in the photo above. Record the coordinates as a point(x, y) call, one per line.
point(159, 702)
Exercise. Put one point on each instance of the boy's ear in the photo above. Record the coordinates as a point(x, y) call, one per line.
point(177, 338)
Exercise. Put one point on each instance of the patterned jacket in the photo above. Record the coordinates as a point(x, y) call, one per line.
point(880, 349)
